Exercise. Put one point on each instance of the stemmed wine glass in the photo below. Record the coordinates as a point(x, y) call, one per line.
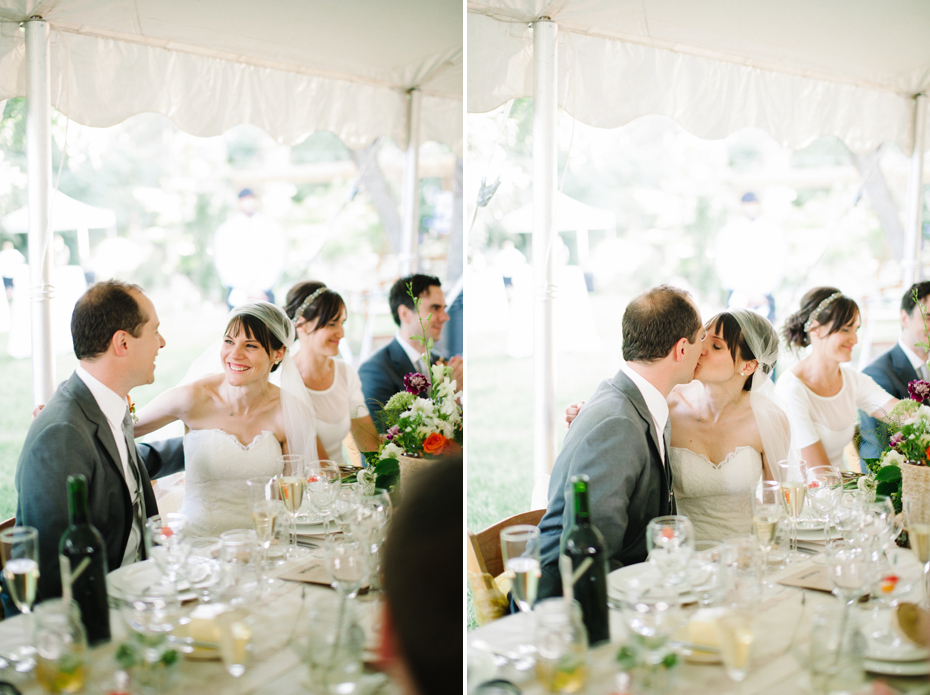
point(167, 544)
point(794, 489)
point(345, 509)
point(291, 484)
point(264, 507)
point(825, 492)
point(917, 514)
point(520, 552)
point(768, 511)
point(323, 484)
point(744, 572)
point(19, 548)
point(374, 513)
point(670, 542)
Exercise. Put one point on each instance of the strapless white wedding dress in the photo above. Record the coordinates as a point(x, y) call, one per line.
point(217, 465)
point(716, 496)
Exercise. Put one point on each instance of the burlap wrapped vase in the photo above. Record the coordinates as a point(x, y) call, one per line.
point(410, 465)
point(915, 481)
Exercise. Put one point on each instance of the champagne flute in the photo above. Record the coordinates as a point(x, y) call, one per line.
point(323, 484)
point(19, 547)
point(670, 543)
point(794, 488)
point(291, 484)
point(917, 513)
point(264, 507)
point(520, 552)
point(825, 492)
point(768, 510)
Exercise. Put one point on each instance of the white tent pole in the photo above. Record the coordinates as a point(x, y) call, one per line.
point(910, 265)
point(544, 191)
point(39, 178)
point(410, 197)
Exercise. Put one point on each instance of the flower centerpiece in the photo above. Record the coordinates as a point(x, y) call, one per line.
point(423, 422)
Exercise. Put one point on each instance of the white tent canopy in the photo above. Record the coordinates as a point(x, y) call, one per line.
point(797, 69)
point(570, 216)
point(67, 214)
point(290, 67)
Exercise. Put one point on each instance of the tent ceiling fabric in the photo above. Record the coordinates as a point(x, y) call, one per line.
point(797, 69)
point(289, 66)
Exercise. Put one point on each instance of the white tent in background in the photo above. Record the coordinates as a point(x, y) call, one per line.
point(358, 69)
point(855, 69)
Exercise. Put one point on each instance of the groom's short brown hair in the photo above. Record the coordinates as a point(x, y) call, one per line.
point(655, 321)
point(105, 308)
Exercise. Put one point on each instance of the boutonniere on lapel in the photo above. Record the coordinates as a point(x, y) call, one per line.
point(132, 410)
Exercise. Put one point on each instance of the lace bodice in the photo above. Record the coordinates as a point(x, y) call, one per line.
point(715, 496)
point(217, 465)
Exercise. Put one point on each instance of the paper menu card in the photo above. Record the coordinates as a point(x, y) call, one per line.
point(814, 577)
point(312, 571)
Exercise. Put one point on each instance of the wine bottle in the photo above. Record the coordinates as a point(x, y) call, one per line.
point(83, 558)
point(584, 545)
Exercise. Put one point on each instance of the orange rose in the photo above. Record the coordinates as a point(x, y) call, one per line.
point(434, 443)
point(451, 447)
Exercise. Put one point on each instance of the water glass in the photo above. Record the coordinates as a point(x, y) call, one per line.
point(849, 568)
point(324, 479)
point(332, 645)
point(347, 566)
point(561, 645)
point(652, 614)
point(167, 544)
point(374, 515)
point(670, 542)
point(151, 618)
point(235, 640)
point(345, 508)
point(735, 632)
point(240, 557)
point(741, 557)
point(825, 492)
point(61, 646)
point(705, 574)
point(837, 650)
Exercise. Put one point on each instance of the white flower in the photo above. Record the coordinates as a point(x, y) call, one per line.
point(423, 406)
point(923, 413)
point(892, 458)
point(450, 409)
point(391, 450)
point(438, 372)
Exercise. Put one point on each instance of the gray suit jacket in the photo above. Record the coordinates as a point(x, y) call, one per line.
point(892, 371)
point(70, 436)
point(614, 442)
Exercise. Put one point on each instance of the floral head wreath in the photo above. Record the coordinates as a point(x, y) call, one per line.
point(811, 319)
point(308, 301)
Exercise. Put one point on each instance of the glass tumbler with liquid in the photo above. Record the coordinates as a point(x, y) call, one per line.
point(561, 645)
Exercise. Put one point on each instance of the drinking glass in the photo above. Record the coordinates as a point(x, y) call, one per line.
point(877, 524)
point(374, 514)
point(837, 650)
point(347, 566)
point(61, 646)
point(741, 559)
point(166, 543)
point(705, 575)
point(670, 542)
point(19, 548)
point(234, 640)
point(291, 484)
point(735, 630)
point(794, 489)
point(332, 645)
point(520, 551)
point(652, 614)
point(241, 560)
point(345, 508)
point(151, 618)
point(323, 484)
point(825, 492)
point(561, 645)
point(264, 506)
point(768, 511)
point(917, 513)
point(849, 569)
point(898, 572)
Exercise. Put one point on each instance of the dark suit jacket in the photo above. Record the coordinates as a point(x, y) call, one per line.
point(70, 436)
point(892, 371)
point(614, 442)
point(382, 376)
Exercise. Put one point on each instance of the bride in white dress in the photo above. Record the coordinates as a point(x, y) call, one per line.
point(727, 428)
point(240, 424)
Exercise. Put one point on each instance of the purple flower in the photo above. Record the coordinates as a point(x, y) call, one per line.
point(416, 383)
point(391, 433)
point(896, 439)
point(918, 390)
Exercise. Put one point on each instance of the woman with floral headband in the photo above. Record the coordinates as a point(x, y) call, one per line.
point(333, 385)
point(822, 397)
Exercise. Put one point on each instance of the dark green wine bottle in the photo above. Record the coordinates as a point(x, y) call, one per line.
point(83, 558)
point(584, 545)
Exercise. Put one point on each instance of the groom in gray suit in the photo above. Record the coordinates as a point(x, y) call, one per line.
point(620, 438)
point(86, 428)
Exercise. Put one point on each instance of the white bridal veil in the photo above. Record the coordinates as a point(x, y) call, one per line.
point(771, 418)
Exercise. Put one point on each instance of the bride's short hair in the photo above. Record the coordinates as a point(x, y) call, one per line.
point(255, 329)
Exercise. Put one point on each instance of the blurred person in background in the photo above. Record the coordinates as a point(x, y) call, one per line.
point(319, 314)
point(10, 260)
point(383, 373)
point(895, 369)
point(249, 252)
point(741, 244)
point(421, 638)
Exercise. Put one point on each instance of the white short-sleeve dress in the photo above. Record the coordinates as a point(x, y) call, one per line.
point(829, 420)
point(336, 407)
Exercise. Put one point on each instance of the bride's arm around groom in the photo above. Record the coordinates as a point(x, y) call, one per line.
point(621, 436)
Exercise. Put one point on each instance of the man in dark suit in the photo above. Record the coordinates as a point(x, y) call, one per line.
point(895, 369)
point(383, 373)
point(620, 438)
point(86, 429)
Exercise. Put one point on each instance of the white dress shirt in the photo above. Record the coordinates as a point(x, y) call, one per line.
point(416, 358)
point(918, 364)
point(655, 401)
point(114, 410)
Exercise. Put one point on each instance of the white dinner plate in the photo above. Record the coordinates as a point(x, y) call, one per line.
point(134, 579)
point(901, 650)
point(641, 574)
point(310, 529)
point(898, 668)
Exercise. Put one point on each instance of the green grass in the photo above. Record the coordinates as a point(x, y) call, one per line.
point(500, 411)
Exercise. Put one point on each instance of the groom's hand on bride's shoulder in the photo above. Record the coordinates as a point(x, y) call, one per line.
point(37, 410)
point(571, 412)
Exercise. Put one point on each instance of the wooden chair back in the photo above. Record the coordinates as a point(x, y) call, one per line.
point(484, 547)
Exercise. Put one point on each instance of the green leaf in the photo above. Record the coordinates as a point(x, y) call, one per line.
point(387, 467)
point(387, 482)
point(887, 488)
point(888, 474)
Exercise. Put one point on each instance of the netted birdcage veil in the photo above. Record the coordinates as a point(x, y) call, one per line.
point(771, 418)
